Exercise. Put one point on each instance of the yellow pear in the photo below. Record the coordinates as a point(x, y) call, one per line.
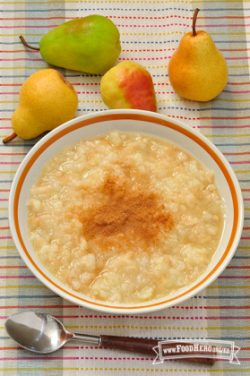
point(46, 100)
point(198, 70)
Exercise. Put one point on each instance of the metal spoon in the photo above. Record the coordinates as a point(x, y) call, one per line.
point(44, 334)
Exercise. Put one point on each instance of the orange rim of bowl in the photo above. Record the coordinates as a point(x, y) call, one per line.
point(146, 118)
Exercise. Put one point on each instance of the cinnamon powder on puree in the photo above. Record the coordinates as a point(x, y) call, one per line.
point(126, 217)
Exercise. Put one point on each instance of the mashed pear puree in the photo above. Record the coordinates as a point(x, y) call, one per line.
point(125, 217)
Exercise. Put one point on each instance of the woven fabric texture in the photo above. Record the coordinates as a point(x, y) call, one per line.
point(150, 33)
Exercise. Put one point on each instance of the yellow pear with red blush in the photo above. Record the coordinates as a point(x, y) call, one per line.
point(128, 85)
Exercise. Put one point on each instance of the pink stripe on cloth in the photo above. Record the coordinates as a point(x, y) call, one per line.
point(10, 163)
point(21, 59)
point(17, 277)
point(29, 27)
point(40, 357)
point(227, 318)
point(235, 277)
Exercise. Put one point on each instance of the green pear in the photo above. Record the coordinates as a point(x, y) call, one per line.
point(90, 44)
point(198, 70)
point(46, 100)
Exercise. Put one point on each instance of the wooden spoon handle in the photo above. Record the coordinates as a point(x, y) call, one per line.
point(145, 346)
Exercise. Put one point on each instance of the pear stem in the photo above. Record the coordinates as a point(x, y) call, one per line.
point(10, 138)
point(194, 20)
point(27, 45)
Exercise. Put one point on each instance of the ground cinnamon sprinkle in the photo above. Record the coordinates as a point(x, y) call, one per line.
point(126, 216)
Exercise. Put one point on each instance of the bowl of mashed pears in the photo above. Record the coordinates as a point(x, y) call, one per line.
point(125, 211)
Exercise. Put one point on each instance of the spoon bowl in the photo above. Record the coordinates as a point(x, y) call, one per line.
point(37, 332)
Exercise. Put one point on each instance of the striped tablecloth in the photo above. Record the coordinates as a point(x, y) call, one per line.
point(150, 32)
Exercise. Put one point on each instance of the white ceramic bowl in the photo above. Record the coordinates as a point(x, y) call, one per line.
point(131, 121)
